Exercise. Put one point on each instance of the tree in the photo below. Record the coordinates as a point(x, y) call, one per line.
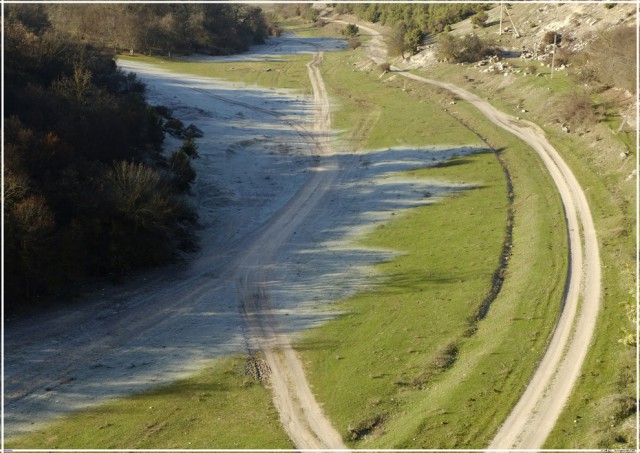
point(182, 171)
point(479, 19)
point(412, 40)
point(69, 211)
point(613, 56)
point(350, 31)
point(466, 49)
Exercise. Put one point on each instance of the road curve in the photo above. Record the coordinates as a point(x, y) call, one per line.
point(534, 416)
point(300, 413)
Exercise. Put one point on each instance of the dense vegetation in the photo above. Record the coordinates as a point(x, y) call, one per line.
point(215, 29)
point(87, 190)
point(465, 49)
point(411, 22)
point(609, 59)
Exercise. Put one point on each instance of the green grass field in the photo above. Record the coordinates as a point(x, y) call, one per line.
point(291, 73)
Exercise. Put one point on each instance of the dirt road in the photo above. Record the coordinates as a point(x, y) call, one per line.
point(535, 414)
point(300, 413)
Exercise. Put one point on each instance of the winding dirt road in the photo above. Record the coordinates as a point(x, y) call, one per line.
point(299, 411)
point(532, 419)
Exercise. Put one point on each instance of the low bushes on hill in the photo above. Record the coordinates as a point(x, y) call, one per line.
point(466, 49)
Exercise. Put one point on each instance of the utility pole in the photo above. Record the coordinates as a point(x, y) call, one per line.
point(553, 58)
point(515, 32)
point(501, 4)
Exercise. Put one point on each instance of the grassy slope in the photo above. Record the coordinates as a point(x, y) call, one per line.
point(219, 407)
point(392, 377)
point(598, 414)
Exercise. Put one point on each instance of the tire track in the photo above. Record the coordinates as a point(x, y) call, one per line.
point(300, 413)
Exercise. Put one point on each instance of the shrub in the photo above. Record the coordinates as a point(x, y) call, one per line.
point(613, 56)
point(563, 57)
point(468, 49)
point(183, 172)
point(412, 39)
point(140, 196)
point(354, 43)
point(366, 426)
point(576, 109)
point(548, 38)
point(384, 67)
point(189, 147)
point(351, 30)
point(395, 43)
point(444, 359)
point(174, 126)
point(479, 19)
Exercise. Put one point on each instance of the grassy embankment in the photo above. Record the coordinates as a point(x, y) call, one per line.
point(601, 411)
point(413, 369)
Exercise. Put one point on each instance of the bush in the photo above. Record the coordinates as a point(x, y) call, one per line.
point(174, 126)
point(395, 43)
point(183, 172)
point(351, 30)
point(468, 49)
point(576, 109)
point(354, 43)
point(366, 426)
point(384, 67)
point(412, 39)
point(548, 38)
point(563, 57)
point(189, 147)
point(613, 56)
point(479, 19)
point(444, 359)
